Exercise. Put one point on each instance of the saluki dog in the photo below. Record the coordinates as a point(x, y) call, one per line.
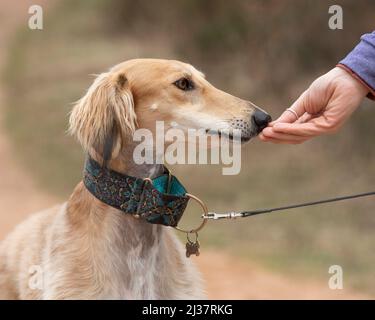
point(86, 249)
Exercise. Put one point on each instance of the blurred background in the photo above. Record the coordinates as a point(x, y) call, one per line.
point(266, 51)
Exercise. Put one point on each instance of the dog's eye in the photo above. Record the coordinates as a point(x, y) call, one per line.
point(184, 84)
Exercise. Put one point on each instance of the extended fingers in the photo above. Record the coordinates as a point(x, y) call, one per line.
point(307, 129)
point(270, 135)
point(281, 140)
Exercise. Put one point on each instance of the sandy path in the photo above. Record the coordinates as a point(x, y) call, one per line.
point(226, 277)
point(18, 197)
point(230, 278)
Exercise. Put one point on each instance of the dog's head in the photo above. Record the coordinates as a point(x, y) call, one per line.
point(137, 93)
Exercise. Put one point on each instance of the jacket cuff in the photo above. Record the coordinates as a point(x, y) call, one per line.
point(371, 94)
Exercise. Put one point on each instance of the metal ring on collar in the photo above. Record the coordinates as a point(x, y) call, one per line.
point(204, 221)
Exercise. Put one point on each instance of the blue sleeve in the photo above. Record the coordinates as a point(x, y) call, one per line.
point(361, 60)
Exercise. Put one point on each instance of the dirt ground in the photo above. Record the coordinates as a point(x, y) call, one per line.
point(226, 277)
point(18, 196)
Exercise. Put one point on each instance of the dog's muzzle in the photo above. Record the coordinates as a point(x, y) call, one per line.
point(251, 127)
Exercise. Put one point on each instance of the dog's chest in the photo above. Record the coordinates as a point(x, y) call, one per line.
point(138, 277)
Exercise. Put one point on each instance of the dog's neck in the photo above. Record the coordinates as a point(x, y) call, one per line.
point(84, 208)
point(124, 163)
point(145, 257)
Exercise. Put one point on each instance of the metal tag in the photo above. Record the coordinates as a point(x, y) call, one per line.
point(192, 248)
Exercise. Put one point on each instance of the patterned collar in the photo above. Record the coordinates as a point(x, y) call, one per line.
point(161, 200)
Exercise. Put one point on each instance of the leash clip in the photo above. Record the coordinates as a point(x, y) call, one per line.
point(218, 216)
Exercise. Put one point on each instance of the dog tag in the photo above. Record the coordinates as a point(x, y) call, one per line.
point(192, 248)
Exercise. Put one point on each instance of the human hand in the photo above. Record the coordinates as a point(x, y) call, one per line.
point(323, 108)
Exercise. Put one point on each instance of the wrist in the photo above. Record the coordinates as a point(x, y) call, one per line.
point(362, 87)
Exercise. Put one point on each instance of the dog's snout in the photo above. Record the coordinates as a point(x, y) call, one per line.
point(261, 119)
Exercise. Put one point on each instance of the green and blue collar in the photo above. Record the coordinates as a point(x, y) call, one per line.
point(161, 200)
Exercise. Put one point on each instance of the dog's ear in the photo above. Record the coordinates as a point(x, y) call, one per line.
point(104, 116)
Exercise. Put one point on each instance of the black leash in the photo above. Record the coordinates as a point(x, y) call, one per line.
point(244, 214)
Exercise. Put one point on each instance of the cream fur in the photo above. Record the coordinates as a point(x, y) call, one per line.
point(85, 249)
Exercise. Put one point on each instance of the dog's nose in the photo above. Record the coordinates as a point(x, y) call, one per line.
point(261, 119)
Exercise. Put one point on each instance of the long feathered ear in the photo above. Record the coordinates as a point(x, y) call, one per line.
point(105, 116)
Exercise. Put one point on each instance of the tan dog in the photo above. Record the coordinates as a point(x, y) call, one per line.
point(85, 249)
